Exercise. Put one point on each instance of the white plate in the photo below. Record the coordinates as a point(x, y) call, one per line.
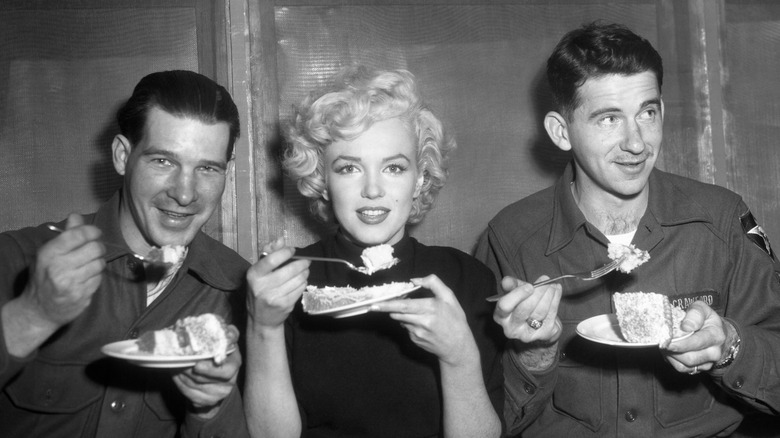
point(128, 350)
point(605, 329)
point(361, 307)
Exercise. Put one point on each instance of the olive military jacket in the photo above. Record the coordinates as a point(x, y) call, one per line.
point(68, 388)
point(703, 245)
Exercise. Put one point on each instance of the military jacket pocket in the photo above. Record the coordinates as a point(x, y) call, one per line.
point(578, 392)
point(672, 387)
point(53, 388)
point(163, 398)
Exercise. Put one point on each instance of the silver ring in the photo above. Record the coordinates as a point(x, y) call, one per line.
point(534, 323)
point(695, 370)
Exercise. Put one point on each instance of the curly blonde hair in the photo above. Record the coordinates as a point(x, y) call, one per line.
point(356, 99)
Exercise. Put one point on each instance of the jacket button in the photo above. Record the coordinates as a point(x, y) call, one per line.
point(529, 389)
point(117, 406)
point(562, 355)
point(630, 415)
point(738, 383)
point(47, 396)
point(133, 333)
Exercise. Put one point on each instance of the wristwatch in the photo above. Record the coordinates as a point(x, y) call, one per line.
point(733, 350)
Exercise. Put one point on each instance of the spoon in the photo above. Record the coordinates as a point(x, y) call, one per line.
point(155, 256)
point(361, 269)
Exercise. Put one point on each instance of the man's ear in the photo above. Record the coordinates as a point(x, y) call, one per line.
point(120, 152)
point(556, 126)
point(662, 109)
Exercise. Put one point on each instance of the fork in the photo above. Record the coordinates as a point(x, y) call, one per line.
point(154, 257)
point(325, 259)
point(587, 275)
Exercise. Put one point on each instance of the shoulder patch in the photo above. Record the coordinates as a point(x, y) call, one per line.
point(755, 233)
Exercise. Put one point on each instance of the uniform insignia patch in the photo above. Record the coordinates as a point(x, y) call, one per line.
point(755, 233)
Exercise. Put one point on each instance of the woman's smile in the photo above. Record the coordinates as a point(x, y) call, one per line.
point(372, 215)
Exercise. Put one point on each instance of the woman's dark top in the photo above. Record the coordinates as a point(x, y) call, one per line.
point(362, 376)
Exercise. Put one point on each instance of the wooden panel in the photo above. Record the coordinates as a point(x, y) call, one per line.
point(264, 128)
point(481, 67)
point(751, 42)
point(59, 90)
point(240, 214)
point(687, 147)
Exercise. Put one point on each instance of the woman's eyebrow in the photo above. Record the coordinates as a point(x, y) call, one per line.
point(346, 158)
point(397, 156)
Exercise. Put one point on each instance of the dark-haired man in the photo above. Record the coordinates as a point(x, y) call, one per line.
point(706, 253)
point(64, 296)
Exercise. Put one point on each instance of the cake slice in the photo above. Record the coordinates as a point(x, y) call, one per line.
point(167, 254)
point(319, 299)
point(173, 254)
point(204, 334)
point(376, 258)
point(647, 317)
point(631, 255)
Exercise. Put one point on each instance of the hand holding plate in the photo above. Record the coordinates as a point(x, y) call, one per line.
point(708, 343)
point(207, 384)
point(436, 324)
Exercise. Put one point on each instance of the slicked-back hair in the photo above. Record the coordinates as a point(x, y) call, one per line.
point(595, 50)
point(356, 99)
point(180, 93)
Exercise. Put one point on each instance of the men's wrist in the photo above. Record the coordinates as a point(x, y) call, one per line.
point(206, 412)
point(24, 328)
point(731, 352)
point(535, 356)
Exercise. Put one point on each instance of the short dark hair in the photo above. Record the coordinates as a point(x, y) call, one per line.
point(597, 49)
point(181, 93)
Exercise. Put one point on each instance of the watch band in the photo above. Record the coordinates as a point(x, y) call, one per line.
point(733, 350)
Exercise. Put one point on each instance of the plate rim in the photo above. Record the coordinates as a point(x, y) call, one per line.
point(356, 306)
point(152, 361)
point(612, 320)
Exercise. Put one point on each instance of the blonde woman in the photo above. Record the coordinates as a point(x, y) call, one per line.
point(372, 157)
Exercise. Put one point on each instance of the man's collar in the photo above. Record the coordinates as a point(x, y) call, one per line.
point(670, 205)
point(666, 202)
point(567, 217)
point(200, 257)
point(107, 219)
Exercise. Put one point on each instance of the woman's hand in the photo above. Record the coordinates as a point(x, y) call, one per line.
point(436, 324)
point(274, 289)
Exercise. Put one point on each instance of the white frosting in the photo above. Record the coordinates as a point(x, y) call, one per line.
point(631, 255)
point(376, 258)
point(207, 335)
point(173, 254)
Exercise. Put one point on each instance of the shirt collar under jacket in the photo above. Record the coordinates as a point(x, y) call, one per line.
point(200, 257)
point(674, 207)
